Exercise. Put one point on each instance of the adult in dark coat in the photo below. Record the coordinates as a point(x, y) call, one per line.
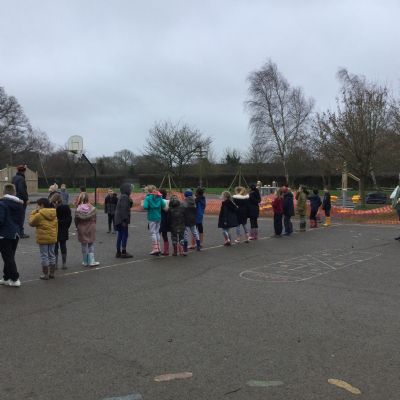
point(64, 219)
point(11, 222)
point(110, 204)
point(227, 216)
point(254, 211)
point(288, 210)
point(176, 223)
point(123, 219)
point(21, 192)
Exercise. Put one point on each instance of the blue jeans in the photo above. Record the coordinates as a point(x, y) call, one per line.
point(122, 237)
point(47, 255)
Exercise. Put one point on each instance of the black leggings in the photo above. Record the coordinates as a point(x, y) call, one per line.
point(253, 222)
point(199, 227)
point(63, 247)
point(111, 222)
point(313, 215)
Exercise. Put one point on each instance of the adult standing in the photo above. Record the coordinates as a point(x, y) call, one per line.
point(21, 190)
point(288, 210)
point(254, 211)
point(11, 217)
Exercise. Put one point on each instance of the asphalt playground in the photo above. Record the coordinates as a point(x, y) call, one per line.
point(311, 316)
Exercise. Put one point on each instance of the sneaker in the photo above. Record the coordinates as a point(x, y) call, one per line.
point(16, 283)
point(237, 240)
point(5, 282)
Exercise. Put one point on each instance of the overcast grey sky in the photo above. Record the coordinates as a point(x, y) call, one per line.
point(108, 69)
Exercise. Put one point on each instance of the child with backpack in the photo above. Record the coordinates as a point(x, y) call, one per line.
point(85, 222)
point(44, 219)
point(227, 218)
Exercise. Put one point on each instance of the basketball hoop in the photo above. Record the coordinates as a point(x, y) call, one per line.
point(75, 145)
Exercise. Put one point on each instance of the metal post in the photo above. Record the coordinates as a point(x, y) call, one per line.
point(95, 178)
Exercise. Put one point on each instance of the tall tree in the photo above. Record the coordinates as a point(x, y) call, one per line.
point(279, 113)
point(360, 125)
point(175, 146)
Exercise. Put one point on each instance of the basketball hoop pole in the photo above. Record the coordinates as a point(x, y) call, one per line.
point(95, 178)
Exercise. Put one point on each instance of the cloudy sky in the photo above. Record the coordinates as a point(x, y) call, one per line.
point(107, 70)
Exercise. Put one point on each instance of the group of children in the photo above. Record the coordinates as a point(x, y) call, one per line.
point(182, 219)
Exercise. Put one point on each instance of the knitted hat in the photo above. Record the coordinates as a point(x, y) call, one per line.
point(188, 193)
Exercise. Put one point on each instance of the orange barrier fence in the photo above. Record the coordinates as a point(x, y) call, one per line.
point(379, 215)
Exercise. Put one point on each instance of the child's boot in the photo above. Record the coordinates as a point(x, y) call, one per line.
point(198, 245)
point(45, 274)
point(193, 244)
point(166, 248)
point(185, 248)
point(175, 246)
point(327, 221)
point(52, 269)
point(202, 239)
point(154, 251)
point(85, 260)
point(91, 260)
point(64, 260)
point(252, 234)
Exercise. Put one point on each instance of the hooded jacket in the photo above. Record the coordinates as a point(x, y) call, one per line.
point(85, 222)
point(11, 217)
point(301, 206)
point(288, 204)
point(45, 222)
point(124, 205)
point(64, 218)
point(153, 203)
point(315, 202)
point(254, 201)
point(242, 201)
point(200, 208)
point(228, 215)
point(110, 203)
point(176, 217)
point(190, 211)
point(20, 186)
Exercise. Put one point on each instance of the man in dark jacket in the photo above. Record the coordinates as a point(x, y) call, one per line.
point(123, 219)
point(21, 189)
point(11, 221)
point(288, 210)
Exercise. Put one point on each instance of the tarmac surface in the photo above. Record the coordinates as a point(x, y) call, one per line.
point(311, 316)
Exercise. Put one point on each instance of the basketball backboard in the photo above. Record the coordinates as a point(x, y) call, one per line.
point(75, 144)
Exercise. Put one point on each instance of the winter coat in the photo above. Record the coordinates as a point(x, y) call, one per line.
point(190, 211)
point(64, 218)
point(176, 217)
point(164, 227)
point(154, 203)
point(64, 196)
point(110, 203)
point(254, 201)
point(20, 186)
point(301, 206)
point(200, 208)
point(11, 217)
point(242, 203)
point(277, 205)
point(288, 205)
point(315, 202)
point(228, 215)
point(124, 205)
point(85, 222)
point(45, 222)
point(326, 202)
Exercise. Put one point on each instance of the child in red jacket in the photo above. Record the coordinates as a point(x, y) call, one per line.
point(277, 206)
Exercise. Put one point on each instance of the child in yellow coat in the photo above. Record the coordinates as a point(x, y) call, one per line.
point(44, 219)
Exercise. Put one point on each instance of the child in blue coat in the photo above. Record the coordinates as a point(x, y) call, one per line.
point(315, 204)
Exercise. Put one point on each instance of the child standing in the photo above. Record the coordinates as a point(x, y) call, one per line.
point(227, 216)
point(85, 222)
point(241, 199)
point(190, 220)
point(277, 206)
point(154, 203)
point(176, 222)
point(288, 210)
point(64, 219)
point(164, 227)
point(44, 219)
point(326, 206)
point(315, 204)
point(301, 206)
point(254, 211)
point(110, 204)
point(122, 219)
point(200, 201)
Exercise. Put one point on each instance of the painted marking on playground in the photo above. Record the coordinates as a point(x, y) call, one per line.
point(307, 266)
point(133, 396)
point(172, 377)
point(264, 383)
point(344, 385)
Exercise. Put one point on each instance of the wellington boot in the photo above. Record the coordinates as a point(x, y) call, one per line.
point(52, 269)
point(166, 248)
point(193, 244)
point(175, 253)
point(327, 221)
point(45, 275)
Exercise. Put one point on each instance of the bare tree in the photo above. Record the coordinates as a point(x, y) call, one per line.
point(279, 113)
point(175, 146)
point(360, 125)
point(231, 157)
